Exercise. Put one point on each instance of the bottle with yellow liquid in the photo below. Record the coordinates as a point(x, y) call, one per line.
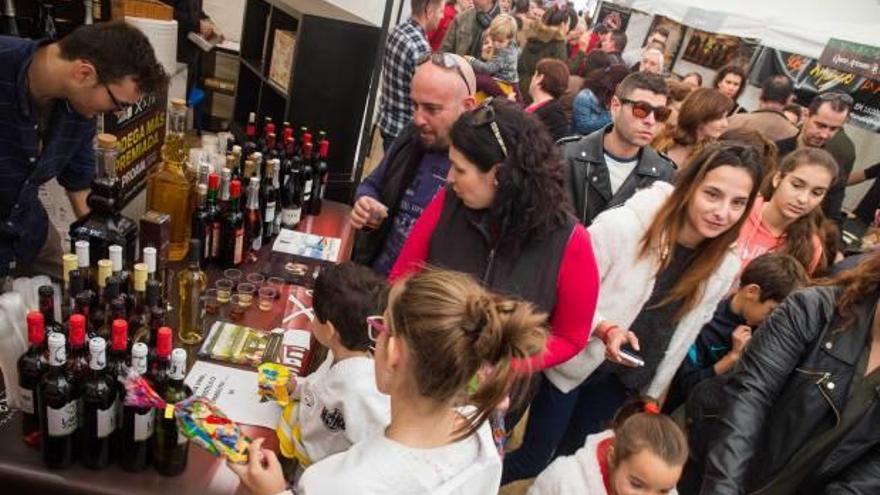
point(168, 189)
point(190, 309)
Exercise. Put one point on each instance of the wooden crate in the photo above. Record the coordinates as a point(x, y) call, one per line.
point(150, 9)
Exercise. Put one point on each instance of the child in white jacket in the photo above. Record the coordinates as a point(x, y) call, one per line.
point(643, 452)
point(338, 405)
point(441, 329)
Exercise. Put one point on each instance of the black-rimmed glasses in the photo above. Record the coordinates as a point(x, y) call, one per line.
point(117, 106)
point(485, 114)
point(447, 61)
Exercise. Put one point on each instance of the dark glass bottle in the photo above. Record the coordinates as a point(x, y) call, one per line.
point(253, 223)
point(171, 447)
point(138, 423)
point(77, 285)
point(84, 266)
point(201, 222)
point(46, 294)
point(46, 27)
point(82, 308)
point(58, 406)
point(232, 246)
point(291, 199)
point(10, 24)
point(308, 176)
point(322, 172)
point(215, 185)
point(99, 393)
point(269, 201)
point(157, 321)
point(119, 271)
point(32, 366)
point(158, 373)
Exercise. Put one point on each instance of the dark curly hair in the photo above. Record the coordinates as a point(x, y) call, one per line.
point(857, 285)
point(117, 50)
point(528, 200)
point(735, 70)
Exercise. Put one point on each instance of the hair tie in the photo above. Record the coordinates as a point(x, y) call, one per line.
point(651, 408)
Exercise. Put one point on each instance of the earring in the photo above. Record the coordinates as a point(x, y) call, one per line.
point(495, 182)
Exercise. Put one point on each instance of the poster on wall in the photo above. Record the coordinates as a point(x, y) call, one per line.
point(848, 56)
point(673, 42)
point(140, 130)
point(713, 50)
point(614, 17)
point(811, 77)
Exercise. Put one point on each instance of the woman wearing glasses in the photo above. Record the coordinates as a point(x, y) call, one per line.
point(701, 120)
point(665, 261)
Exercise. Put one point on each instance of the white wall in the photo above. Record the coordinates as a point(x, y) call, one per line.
point(227, 15)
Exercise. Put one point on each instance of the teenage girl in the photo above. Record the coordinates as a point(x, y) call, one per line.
point(788, 216)
point(440, 330)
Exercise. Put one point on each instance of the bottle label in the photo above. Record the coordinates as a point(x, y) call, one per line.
point(106, 421)
point(62, 421)
point(269, 215)
point(290, 217)
point(307, 190)
point(239, 246)
point(206, 242)
point(27, 400)
point(144, 425)
point(215, 240)
point(257, 242)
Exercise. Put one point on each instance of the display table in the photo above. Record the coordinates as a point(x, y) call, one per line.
point(22, 470)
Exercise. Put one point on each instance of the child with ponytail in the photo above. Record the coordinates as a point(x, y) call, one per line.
point(439, 331)
point(643, 452)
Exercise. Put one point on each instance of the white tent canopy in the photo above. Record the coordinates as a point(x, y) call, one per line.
point(797, 26)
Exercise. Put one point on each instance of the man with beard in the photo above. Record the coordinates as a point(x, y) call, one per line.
point(822, 129)
point(390, 200)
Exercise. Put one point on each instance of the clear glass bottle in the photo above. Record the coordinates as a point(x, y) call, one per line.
point(168, 189)
point(192, 284)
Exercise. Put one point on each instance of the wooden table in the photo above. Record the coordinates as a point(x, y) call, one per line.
point(22, 470)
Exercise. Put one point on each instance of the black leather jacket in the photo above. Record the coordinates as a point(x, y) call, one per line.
point(587, 180)
point(790, 386)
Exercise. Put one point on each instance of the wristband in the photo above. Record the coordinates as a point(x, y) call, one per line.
point(605, 332)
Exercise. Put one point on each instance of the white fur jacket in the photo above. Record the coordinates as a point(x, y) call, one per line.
point(626, 285)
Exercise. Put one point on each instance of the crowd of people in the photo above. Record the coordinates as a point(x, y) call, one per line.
point(634, 267)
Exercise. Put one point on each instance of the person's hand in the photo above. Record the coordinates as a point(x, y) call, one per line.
point(741, 336)
point(206, 28)
point(367, 212)
point(262, 474)
point(615, 339)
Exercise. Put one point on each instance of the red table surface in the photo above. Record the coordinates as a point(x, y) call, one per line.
point(22, 470)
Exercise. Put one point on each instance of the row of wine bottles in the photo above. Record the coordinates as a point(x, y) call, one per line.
point(43, 24)
point(73, 397)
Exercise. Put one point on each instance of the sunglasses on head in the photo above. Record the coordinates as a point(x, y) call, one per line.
point(641, 110)
point(485, 115)
point(447, 61)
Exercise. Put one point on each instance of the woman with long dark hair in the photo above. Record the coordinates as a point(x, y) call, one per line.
point(665, 262)
point(803, 407)
point(731, 81)
point(701, 120)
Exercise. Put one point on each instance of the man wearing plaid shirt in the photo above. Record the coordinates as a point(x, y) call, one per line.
point(407, 43)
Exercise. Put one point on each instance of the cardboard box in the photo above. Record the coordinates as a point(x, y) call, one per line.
point(155, 231)
point(281, 64)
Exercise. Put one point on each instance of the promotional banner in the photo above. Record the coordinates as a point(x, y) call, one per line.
point(810, 76)
point(140, 131)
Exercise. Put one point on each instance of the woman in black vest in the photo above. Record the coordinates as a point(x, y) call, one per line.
point(503, 219)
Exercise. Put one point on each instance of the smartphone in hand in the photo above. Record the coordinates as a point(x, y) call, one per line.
point(629, 355)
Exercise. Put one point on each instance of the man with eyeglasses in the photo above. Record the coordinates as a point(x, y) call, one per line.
point(823, 124)
point(605, 168)
point(390, 200)
point(407, 44)
point(49, 96)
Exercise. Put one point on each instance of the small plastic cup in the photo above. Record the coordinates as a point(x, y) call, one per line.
point(233, 274)
point(267, 298)
point(224, 290)
point(256, 279)
point(212, 303)
point(246, 294)
point(236, 308)
point(278, 284)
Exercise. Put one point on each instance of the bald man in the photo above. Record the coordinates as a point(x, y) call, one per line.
point(390, 200)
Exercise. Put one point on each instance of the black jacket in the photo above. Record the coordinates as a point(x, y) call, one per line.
point(587, 180)
point(552, 115)
point(789, 387)
point(404, 157)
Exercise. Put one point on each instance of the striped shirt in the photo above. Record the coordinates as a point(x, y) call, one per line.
point(406, 44)
point(25, 163)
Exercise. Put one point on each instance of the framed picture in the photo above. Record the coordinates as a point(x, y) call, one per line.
point(713, 50)
point(673, 42)
point(614, 17)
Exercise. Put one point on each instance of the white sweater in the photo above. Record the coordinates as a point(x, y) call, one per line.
point(626, 285)
point(339, 405)
point(382, 466)
point(577, 474)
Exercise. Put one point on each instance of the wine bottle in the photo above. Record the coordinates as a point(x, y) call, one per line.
point(83, 264)
point(118, 270)
point(253, 224)
point(322, 171)
point(192, 284)
point(171, 447)
point(250, 131)
point(308, 175)
point(99, 408)
point(157, 322)
point(10, 25)
point(158, 373)
point(216, 212)
point(269, 202)
point(99, 310)
point(139, 315)
point(57, 402)
point(46, 295)
point(46, 27)
point(232, 246)
point(117, 364)
point(150, 261)
point(137, 422)
point(32, 366)
point(77, 370)
point(276, 184)
point(291, 198)
point(201, 222)
point(69, 263)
